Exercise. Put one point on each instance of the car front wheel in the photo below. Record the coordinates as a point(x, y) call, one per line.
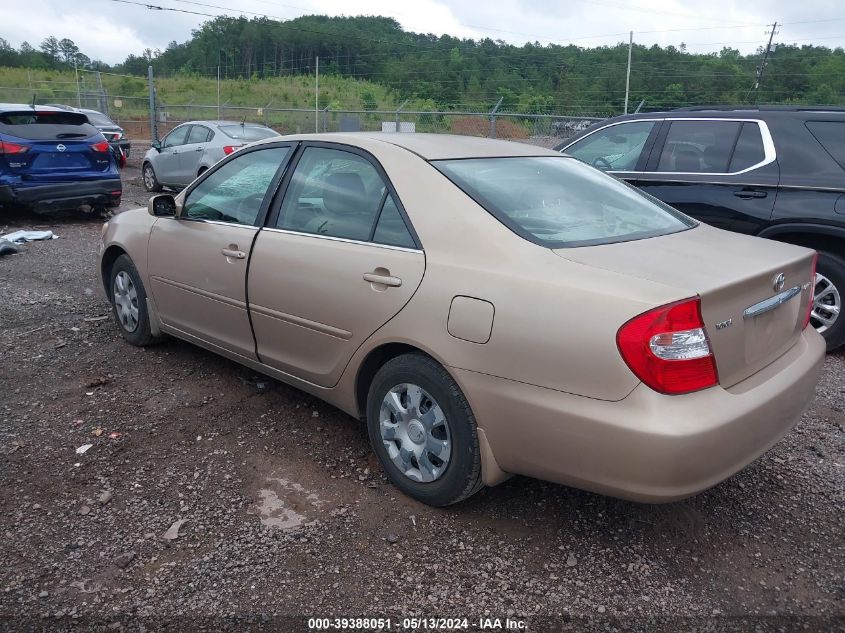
point(423, 431)
point(826, 315)
point(129, 302)
point(151, 183)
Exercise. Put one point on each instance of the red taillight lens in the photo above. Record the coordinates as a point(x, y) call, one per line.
point(102, 146)
point(812, 292)
point(12, 148)
point(668, 349)
point(228, 149)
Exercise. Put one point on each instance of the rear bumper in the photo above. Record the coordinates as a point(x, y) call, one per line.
point(647, 447)
point(62, 196)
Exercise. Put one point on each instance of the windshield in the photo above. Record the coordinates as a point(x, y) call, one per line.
point(247, 132)
point(560, 202)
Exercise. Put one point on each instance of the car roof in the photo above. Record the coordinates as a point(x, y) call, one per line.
point(210, 122)
point(23, 107)
point(429, 146)
point(735, 112)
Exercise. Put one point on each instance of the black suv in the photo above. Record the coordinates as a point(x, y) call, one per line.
point(776, 172)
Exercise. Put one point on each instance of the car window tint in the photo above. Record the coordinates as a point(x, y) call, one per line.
point(702, 147)
point(176, 137)
point(749, 148)
point(616, 148)
point(332, 193)
point(198, 134)
point(235, 191)
point(831, 135)
point(391, 228)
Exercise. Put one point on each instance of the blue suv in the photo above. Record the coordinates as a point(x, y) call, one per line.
point(54, 160)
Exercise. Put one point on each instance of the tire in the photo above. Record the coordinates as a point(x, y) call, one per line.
point(201, 171)
point(459, 475)
point(148, 175)
point(829, 292)
point(136, 331)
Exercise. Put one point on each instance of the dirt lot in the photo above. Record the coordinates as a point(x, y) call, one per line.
point(286, 513)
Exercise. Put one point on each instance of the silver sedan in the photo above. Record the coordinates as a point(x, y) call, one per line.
point(191, 148)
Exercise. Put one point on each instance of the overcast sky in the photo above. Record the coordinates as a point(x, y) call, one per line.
point(110, 30)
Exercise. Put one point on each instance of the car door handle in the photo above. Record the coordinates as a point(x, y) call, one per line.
point(750, 193)
point(385, 280)
point(233, 252)
point(199, 149)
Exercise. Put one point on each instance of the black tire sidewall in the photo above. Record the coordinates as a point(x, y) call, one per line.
point(463, 470)
point(142, 334)
point(833, 267)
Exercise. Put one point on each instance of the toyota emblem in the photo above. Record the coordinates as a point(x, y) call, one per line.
point(778, 282)
point(61, 147)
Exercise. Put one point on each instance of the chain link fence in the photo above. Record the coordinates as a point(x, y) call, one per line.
point(132, 113)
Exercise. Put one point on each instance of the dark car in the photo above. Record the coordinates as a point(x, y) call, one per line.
point(114, 134)
point(53, 159)
point(775, 172)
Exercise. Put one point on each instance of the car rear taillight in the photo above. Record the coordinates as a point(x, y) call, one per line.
point(12, 148)
point(228, 149)
point(668, 349)
point(102, 146)
point(812, 292)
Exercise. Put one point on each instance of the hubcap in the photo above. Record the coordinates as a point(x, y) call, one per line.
point(827, 304)
point(415, 432)
point(126, 301)
point(149, 179)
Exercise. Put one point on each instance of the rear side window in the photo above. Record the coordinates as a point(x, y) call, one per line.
point(749, 148)
point(559, 202)
point(198, 134)
point(615, 148)
point(46, 125)
point(391, 228)
point(702, 147)
point(247, 132)
point(333, 193)
point(831, 135)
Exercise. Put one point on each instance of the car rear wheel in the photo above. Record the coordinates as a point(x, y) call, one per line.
point(129, 302)
point(423, 431)
point(151, 183)
point(826, 315)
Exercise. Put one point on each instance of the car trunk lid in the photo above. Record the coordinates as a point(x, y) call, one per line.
point(754, 292)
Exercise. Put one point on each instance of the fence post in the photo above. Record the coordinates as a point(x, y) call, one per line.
point(266, 115)
point(153, 126)
point(398, 111)
point(493, 117)
point(326, 119)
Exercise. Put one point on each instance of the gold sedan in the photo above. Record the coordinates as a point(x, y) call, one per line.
point(489, 308)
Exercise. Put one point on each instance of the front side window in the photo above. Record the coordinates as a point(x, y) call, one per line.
point(176, 137)
point(615, 148)
point(234, 192)
point(831, 135)
point(700, 147)
point(333, 193)
point(560, 202)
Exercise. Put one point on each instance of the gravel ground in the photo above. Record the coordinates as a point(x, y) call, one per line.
point(282, 510)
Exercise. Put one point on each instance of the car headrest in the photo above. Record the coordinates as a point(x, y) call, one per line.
point(714, 159)
point(687, 160)
point(344, 192)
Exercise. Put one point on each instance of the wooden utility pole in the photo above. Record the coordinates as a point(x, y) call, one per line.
point(628, 75)
point(762, 68)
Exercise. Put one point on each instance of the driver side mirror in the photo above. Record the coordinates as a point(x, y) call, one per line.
point(156, 145)
point(162, 205)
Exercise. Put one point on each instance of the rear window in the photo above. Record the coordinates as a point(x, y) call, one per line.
point(99, 119)
point(831, 135)
point(561, 202)
point(247, 133)
point(46, 125)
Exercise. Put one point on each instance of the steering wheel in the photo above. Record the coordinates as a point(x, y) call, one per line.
point(605, 164)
